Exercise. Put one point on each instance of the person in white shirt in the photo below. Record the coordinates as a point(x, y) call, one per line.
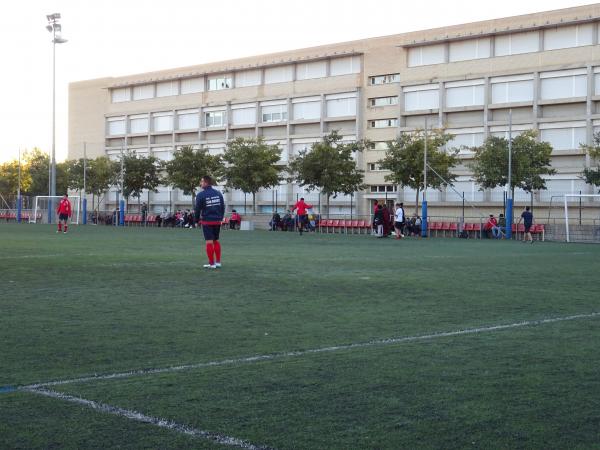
point(399, 220)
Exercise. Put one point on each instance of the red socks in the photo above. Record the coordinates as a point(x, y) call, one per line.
point(59, 226)
point(210, 252)
point(217, 246)
point(66, 226)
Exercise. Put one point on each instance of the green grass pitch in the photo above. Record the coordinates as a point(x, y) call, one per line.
point(101, 300)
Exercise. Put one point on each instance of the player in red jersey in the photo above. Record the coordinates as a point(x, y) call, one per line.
point(302, 208)
point(64, 213)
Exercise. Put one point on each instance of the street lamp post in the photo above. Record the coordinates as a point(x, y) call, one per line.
point(55, 28)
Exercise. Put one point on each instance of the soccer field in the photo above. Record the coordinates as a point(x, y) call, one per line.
point(117, 338)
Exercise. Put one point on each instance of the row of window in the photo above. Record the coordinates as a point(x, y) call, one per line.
point(503, 45)
point(336, 105)
point(562, 136)
point(254, 77)
point(564, 84)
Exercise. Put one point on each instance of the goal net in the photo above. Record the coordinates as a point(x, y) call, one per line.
point(44, 210)
point(575, 217)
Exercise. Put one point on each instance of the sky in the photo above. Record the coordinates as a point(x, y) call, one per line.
point(112, 38)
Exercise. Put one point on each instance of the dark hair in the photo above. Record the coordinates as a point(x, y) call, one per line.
point(207, 179)
point(302, 198)
point(527, 208)
point(66, 195)
point(376, 202)
point(233, 210)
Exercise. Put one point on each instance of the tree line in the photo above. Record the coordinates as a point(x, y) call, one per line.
point(329, 167)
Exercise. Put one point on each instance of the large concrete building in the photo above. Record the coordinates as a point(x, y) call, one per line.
point(545, 67)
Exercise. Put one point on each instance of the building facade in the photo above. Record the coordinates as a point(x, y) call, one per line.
point(544, 67)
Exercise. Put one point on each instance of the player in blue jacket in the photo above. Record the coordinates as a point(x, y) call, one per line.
point(210, 209)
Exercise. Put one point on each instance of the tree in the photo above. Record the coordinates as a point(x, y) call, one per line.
point(591, 175)
point(139, 173)
point(74, 169)
point(9, 178)
point(251, 165)
point(530, 161)
point(330, 167)
point(102, 173)
point(188, 165)
point(37, 165)
point(404, 159)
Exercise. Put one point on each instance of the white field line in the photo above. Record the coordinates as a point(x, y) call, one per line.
point(291, 354)
point(156, 421)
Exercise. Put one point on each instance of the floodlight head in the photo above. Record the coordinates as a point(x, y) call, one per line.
point(57, 27)
point(49, 28)
point(59, 40)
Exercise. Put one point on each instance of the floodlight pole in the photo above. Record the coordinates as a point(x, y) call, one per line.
point(53, 26)
point(19, 190)
point(509, 200)
point(424, 202)
point(84, 201)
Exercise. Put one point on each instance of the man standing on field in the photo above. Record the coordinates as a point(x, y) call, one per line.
point(210, 209)
point(302, 208)
point(64, 213)
point(527, 218)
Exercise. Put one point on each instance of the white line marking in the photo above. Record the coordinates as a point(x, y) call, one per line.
point(156, 421)
point(272, 356)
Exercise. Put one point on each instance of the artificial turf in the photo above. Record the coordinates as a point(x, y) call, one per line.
point(102, 300)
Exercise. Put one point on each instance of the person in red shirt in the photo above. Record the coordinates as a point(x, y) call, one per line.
point(64, 213)
point(235, 220)
point(489, 226)
point(302, 208)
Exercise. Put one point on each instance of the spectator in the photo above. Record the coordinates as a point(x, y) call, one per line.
point(235, 220)
point(387, 222)
point(378, 222)
point(275, 222)
point(144, 212)
point(288, 221)
point(489, 226)
point(399, 220)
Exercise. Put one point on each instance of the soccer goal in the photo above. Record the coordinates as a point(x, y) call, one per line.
point(577, 227)
point(45, 209)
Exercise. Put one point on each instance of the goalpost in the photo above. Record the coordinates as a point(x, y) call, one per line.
point(588, 232)
point(45, 209)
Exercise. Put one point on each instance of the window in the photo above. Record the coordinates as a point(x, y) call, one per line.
point(470, 49)
point(143, 91)
point(341, 105)
point(274, 113)
point(421, 97)
point(244, 116)
point(465, 142)
point(219, 83)
point(344, 66)
point(569, 36)
point(280, 74)
point(564, 138)
point(374, 167)
point(383, 188)
point(468, 93)
point(116, 126)
point(383, 101)
point(188, 119)
point(303, 110)
point(309, 70)
point(247, 78)
point(162, 122)
point(512, 89)
point(385, 79)
point(138, 124)
point(563, 84)
point(384, 123)
point(166, 88)
point(192, 85)
point(425, 55)
point(215, 118)
point(517, 43)
point(121, 95)
point(379, 146)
